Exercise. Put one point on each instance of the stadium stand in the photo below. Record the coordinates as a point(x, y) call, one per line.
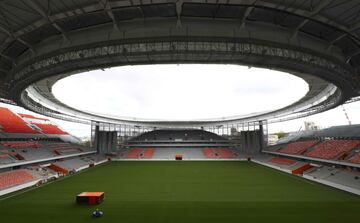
point(23, 145)
point(177, 135)
point(337, 132)
point(11, 123)
point(282, 161)
point(179, 138)
point(297, 148)
point(13, 178)
point(138, 153)
point(341, 177)
point(77, 163)
point(331, 149)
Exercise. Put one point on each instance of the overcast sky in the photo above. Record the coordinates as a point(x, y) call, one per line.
point(180, 91)
point(189, 92)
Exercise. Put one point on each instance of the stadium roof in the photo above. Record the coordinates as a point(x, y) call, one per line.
point(44, 39)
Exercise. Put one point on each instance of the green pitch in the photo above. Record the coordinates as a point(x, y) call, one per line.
point(184, 192)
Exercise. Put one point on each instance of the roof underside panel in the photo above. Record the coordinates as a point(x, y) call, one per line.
point(301, 4)
point(320, 30)
point(15, 49)
point(56, 6)
point(159, 10)
point(199, 10)
point(84, 20)
point(347, 45)
point(5, 64)
point(127, 13)
point(15, 14)
point(345, 12)
point(355, 60)
point(273, 16)
point(40, 34)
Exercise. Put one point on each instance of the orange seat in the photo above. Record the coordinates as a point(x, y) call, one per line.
point(14, 178)
point(297, 148)
point(331, 149)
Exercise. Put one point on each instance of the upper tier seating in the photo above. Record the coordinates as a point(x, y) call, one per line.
point(50, 129)
point(219, 153)
point(177, 135)
point(297, 148)
point(282, 161)
point(21, 144)
point(11, 123)
point(13, 178)
point(331, 149)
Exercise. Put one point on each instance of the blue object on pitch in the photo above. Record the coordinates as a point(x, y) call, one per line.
point(97, 213)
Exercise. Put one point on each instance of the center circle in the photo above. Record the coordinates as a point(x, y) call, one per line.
point(180, 92)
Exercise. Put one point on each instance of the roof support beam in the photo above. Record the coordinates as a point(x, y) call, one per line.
point(313, 13)
point(179, 4)
point(10, 34)
point(108, 9)
point(348, 59)
point(246, 14)
point(351, 29)
point(38, 8)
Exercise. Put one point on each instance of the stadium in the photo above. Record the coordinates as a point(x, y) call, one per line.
point(217, 169)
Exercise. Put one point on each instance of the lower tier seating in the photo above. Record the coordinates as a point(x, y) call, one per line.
point(148, 153)
point(209, 153)
point(282, 161)
point(14, 178)
point(219, 153)
point(138, 153)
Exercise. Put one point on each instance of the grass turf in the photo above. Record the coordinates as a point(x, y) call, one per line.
point(184, 192)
